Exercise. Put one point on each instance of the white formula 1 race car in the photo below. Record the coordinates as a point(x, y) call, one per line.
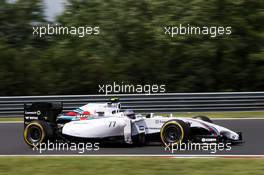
point(106, 122)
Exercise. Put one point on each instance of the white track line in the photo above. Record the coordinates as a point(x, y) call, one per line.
point(237, 118)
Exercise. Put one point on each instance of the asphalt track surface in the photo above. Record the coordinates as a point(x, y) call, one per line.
point(12, 143)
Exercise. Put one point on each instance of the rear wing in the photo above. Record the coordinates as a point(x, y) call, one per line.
point(45, 111)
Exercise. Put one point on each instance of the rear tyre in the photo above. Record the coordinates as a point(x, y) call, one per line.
point(203, 118)
point(37, 132)
point(174, 131)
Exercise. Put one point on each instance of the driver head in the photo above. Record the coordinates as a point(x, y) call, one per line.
point(130, 114)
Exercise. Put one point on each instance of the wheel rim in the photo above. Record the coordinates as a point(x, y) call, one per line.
point(172, 134)
point(34, 134)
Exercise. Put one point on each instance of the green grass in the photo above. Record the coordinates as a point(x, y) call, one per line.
point(246, 114)
point(129, 166)
point(11, 119)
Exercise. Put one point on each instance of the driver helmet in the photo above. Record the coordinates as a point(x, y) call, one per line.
point(130, 114)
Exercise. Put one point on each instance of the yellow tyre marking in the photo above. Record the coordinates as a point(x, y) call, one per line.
point(172, 122)
point(26, 133)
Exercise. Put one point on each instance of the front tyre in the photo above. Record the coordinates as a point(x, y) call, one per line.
point(36, 132)
point(174, 132)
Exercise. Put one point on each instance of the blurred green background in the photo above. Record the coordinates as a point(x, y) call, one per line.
point(132, 47)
